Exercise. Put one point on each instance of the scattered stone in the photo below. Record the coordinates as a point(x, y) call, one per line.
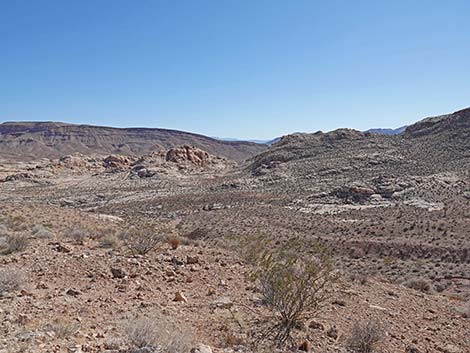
point(179, 297)
point(305, 346)
point(223, 303)
point(333, 333)
point(201, 348)
point(118, 272)
point(73, 292)
point(315, 325)
point(191, 260)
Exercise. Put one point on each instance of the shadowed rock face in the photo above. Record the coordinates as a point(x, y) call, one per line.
point(33, 140)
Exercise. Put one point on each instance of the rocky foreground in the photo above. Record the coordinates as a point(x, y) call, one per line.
point(81, 289)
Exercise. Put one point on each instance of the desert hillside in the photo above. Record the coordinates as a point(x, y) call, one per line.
point(178, 249)
point(34, 140)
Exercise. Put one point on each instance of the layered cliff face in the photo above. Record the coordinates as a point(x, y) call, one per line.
point(33, 140)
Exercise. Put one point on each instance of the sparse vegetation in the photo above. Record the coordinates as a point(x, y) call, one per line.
point(14, 242)
point(143, 240)
point(78, 236)
point(366, 337)
point(10, 280)
point(157, 334)
point(40, 231)
point(464, 310)
point(293, 286)
point(63, 328)
point(419, 284)
point(108, 241)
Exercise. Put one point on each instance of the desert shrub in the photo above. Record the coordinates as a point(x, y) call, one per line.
point(78, 236)
point(158, 335)
point(143, 240)
point(10, 280)
point(365, 337)
point(293, 286)
point(63, 328)
point(196, 234)
point(419, 284)
point(40, 231)
point(464, 310)
point(174, 242)
point(17, 222)
point(14, 243)
point(108, 241)
point(359, 278)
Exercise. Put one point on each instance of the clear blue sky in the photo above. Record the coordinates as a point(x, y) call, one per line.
point(248, 69)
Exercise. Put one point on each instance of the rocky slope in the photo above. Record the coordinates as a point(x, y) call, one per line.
point(433, 145)
point(33, 140)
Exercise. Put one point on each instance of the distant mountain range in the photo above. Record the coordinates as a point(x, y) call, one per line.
point(262, 142)
point(388, 131)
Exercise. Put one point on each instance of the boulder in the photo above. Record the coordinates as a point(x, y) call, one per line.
point(116, 162)
point(188, 154)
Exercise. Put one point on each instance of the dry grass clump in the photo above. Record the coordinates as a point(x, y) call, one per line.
point(78, 236)
point(42, 232)
point(464, 310)
point(359, 278)
point(10, 280)
point(419, 284)
point(293, 287)
point(366, 337)
point(108, 241)
point(63, 328)
point(17, 222)
point(13, 242)
point(157, 334)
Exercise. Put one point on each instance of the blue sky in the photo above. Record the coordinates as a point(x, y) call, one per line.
point(247, 69)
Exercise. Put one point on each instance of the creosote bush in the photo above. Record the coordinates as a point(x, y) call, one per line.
point(366, 337)
point(143, 240)
point(293, 286)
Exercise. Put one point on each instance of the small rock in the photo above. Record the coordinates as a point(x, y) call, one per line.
point(316, 325)
point(118, 272)
point(223, 303)
point(72, 292)
point(179, 297)
point(305, 346)
point(332, 333)
point(192, 260)
point(449, 348)
point(411, 349)
point(201, 348)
